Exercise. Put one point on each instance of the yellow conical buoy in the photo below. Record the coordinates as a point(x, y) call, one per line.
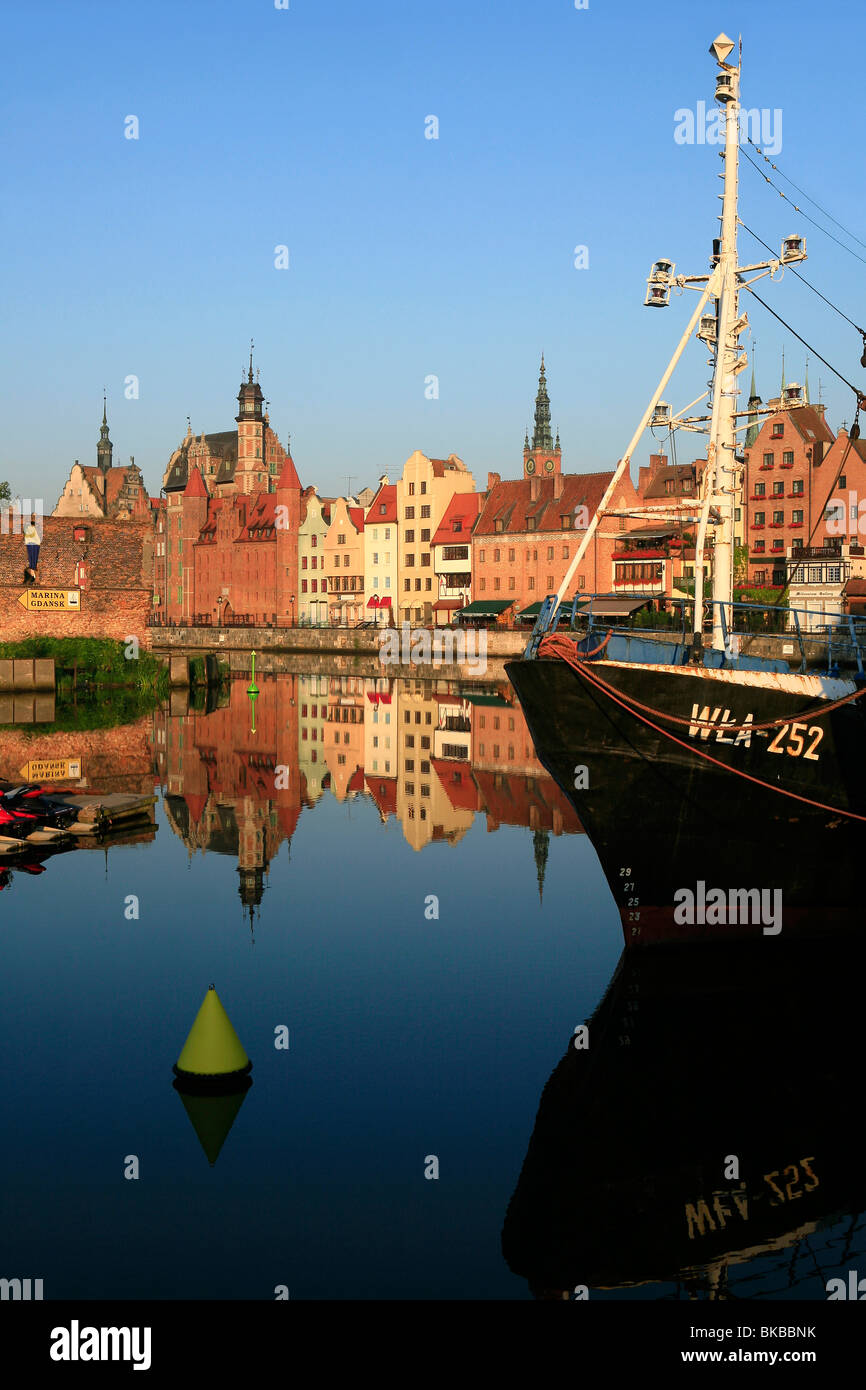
point(212, 1052)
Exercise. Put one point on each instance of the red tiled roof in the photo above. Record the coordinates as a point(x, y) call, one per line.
point(457, 783)
point(463, 507)
point(356, 781)
point(289, 475)
point(386, 497)
point(384, 792)
point(261, 517)
point(356, 516)
point(511, 503)
point(195, 487)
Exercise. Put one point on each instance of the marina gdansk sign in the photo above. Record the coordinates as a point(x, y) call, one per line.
point(51, 600)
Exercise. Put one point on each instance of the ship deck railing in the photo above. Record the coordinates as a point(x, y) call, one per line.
point(785, 634)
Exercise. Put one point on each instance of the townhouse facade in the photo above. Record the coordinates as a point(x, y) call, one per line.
point(424, 492)
point(380, 554)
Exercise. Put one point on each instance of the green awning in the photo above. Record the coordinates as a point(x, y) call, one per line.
point(473, 699)
point(485, 608)
point(533, 610)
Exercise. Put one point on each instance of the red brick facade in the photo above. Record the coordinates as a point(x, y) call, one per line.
point(109, 564)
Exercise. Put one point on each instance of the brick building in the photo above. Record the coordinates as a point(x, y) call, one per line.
point(787, 485)
point(227, 539)
point(107, 564)
point(529, 529)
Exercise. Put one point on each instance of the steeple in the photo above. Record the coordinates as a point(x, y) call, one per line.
point(784, 383)
point(541, 457)
point(542, 438)
point(541, 845)
point(104, 448)
point(250, 396)
point(754, 402)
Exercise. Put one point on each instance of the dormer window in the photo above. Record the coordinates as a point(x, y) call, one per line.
point(531, 523)
point(499, 524)
point(458, 524)
point(566, 521)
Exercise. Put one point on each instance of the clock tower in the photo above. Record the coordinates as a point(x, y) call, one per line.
point(541, 458)
point(251, 471)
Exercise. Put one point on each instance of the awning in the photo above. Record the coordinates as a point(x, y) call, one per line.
point(443, 604)
point(534, 609)
point(485, 608)
point(385, 602)
point(619, 607)
point(372, 603)
point(474, 699)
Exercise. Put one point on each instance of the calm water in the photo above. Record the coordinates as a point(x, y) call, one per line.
point(295, 865)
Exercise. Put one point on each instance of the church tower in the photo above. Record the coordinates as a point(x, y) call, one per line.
point(543, 457)
point(251, 473)
point(104, 448)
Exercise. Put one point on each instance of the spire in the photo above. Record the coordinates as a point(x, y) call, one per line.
point(782, 388)
point(542, 438)
point(104, 448)
point(541, 844)
point(250, 377)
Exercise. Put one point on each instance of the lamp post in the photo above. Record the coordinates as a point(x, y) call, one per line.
point(293, 610)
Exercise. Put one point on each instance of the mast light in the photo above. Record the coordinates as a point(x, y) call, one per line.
point(793, 249)
point(661, 415)
point(725, 87)
point(659, 283)
point(708, 330)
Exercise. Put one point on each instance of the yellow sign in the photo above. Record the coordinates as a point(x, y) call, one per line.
point(51, 770)
point(51, 600)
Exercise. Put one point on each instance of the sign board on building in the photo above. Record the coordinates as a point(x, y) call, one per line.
point(51, 770)
point(51, 600)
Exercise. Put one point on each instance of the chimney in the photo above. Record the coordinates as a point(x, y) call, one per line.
point(493, 480)
point(557, 484)
point(656, 462)
point(533, 487)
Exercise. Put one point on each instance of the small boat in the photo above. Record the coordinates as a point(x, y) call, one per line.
point(69, 809)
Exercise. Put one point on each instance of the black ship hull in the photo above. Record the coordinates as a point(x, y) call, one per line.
point(663, 819)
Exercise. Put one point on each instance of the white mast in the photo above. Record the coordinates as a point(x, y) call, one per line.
point(721, 476)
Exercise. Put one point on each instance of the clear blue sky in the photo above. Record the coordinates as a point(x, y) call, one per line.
point(408, 256)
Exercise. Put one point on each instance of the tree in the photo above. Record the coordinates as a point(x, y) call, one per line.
point(5, 492)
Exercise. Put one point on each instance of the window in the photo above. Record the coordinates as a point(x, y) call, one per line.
point(316, 585)
point(425, 558)
point(797, 487)
point(565, 552)
point(760, 518)
point(428, 584)
point(843, 482)
point(788, 458)
point(530, 583)
point(425, 534)
point(387, 535)
point(417, 583)
point(768, 461)
point(760, 576)
point(511, 557)
point(550, 552)
point(531, 523)
point(409, 765)
point(778, 518)
point(411, 489)
point(407, 583)
point(345, 562)
point(423, 488)
point(303, 586)
point(737, 513)
point(410, 740)
point(425, 513)
point(796, 518)
point(550, 583)
point(409, 537)
point(496, 582)
point(760, 489)
point(457, 524)
point(303, 562)
point(481, 557)
point(778, 489)
point(375, 557)
point(482, 584)
point(341, 539)
point(565, 521)
point(409, 513)
point(409, 561)
point(778, 429)
point(511, 584)
point(383, 507)
point(759, 547)
point(314, 541)
point(496, 557)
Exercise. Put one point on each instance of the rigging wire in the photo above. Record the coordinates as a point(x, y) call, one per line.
point(857, 392)
point(806, 282)
point(789, 180)
point(783, 194)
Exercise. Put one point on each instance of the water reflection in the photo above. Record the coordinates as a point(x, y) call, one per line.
point(431, 755)
point(699, 1055)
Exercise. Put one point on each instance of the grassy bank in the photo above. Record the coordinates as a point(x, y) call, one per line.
point(93, 664)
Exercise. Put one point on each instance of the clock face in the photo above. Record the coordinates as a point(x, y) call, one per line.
point(530, 465)
point(548, 467)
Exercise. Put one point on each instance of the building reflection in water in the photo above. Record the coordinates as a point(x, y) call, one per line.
point(428, 753)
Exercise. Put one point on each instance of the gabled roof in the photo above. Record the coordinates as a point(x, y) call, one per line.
point(261, 518)
point(463, 507)
point(356, 516)
point(385, 498)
